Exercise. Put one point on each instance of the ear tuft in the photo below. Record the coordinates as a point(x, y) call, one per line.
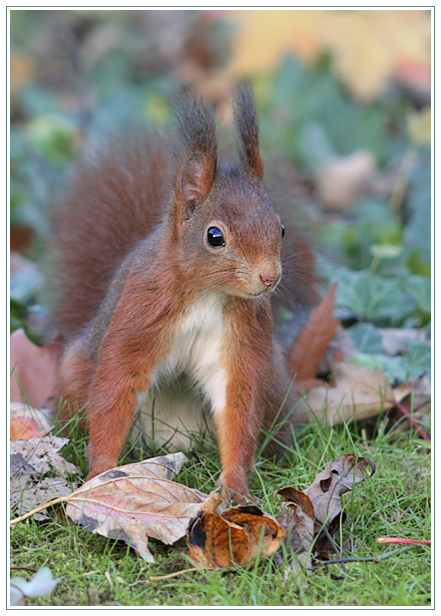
point(247, 127)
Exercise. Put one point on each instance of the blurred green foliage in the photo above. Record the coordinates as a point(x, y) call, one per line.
point(79, 75)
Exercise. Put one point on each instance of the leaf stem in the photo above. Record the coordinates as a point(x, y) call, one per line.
point(29, 514)
point(160, 578)
point(417, 427)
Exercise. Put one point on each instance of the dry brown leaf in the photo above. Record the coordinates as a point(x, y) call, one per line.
point(359, 393)
point(137, 501)
point(310, 346)
point(339, 477)
point(298, 519)
point(41, 456)
point(33, 368)
point(341, 348)
point(27, 493)
point(31, 461)
point(320, 504)
point(234, 538)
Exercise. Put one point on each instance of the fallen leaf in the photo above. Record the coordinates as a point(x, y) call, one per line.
point(27, 422)
point(402, 391)
point(298, 519)
point(414, 399)
point(31, 461)
point(33, 375)
point(41, 454)
point(341, 348)
point(137, 501)
point(338, 477)
point(308, 510)
point(359, 393)
point(27, 493)
point(234, 538)
point(310, 346)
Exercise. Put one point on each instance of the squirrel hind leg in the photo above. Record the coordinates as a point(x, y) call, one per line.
point(173, 415)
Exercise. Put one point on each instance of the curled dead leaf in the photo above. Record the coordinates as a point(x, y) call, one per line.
point(305, 512)
point(338, 477)
point(234, 538)
point(298, 520)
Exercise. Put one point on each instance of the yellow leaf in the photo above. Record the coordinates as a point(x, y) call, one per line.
point(369, 46)
point(265, 35)
point(361, 59)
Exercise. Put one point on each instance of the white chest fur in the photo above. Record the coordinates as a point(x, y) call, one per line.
point(197, 349)
point(197, 353)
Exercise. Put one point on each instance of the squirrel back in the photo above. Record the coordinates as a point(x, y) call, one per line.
point(114, 200)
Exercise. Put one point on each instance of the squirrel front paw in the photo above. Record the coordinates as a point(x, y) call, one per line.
point(236, 489)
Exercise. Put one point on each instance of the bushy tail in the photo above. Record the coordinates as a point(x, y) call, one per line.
point(114, 200)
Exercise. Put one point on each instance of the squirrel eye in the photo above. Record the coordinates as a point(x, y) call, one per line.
point(283, 230)
point(215, 237)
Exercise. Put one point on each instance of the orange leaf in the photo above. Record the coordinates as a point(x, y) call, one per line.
point(27, 422)
point(310, 346)
point(234, 538)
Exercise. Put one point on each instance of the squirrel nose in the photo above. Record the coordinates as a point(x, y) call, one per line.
point(269, 281)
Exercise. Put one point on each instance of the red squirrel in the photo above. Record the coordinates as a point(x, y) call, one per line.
point(166, 261)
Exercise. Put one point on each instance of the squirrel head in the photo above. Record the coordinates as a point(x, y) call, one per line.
point(226, 232)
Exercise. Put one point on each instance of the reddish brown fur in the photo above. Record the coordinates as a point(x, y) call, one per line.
point(131, 269)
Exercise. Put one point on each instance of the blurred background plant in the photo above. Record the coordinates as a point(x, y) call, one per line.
point(345, 106)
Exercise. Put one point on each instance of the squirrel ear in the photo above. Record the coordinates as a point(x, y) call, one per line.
point(196, 134)
point(247, 127)
point(195, 179)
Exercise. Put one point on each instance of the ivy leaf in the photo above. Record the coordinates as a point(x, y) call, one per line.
point(400, 368)
point(419, 288)
point(370, 297)
point(366, 338)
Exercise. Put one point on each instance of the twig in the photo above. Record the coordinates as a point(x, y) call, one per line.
point(373, 559)
point(335, 546)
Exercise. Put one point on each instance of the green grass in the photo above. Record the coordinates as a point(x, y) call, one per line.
point(394, 502)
